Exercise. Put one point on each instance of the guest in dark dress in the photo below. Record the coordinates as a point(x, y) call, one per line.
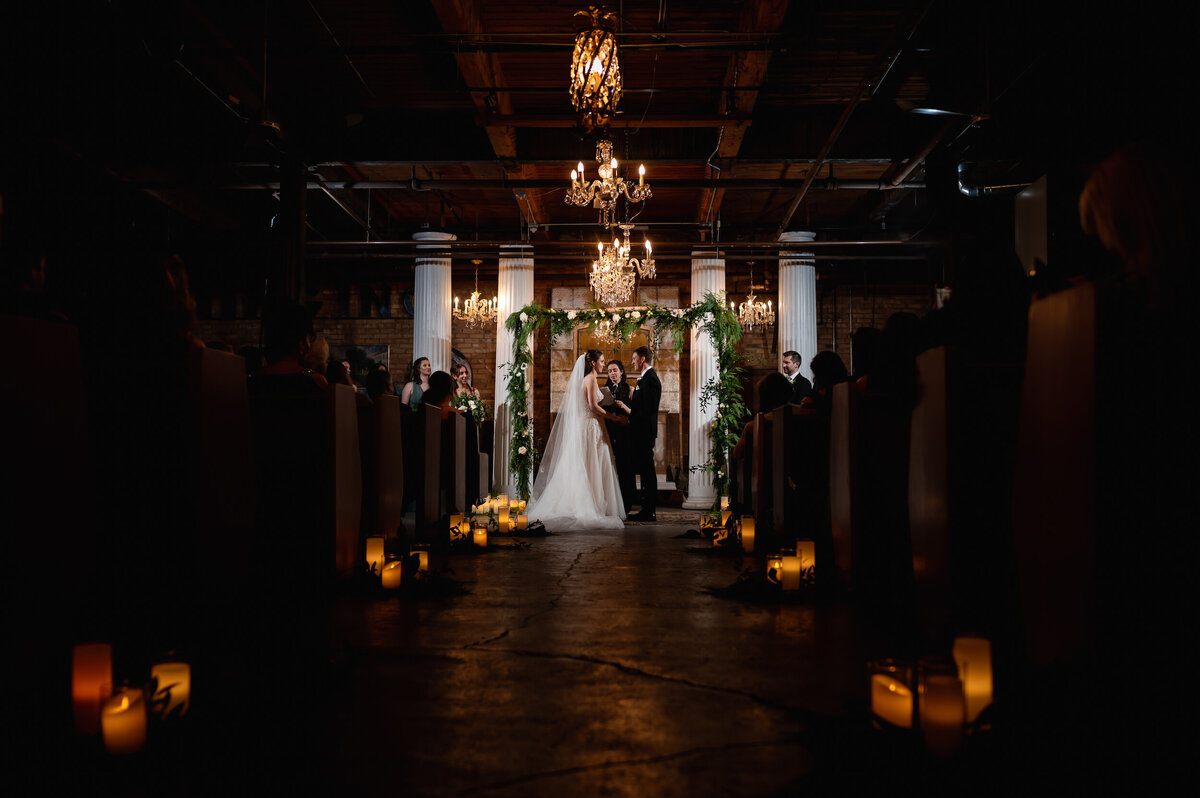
point(292, 351)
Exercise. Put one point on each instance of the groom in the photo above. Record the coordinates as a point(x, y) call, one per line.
point(643, 429)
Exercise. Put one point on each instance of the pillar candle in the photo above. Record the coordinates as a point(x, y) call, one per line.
point(941, 712)
point(522, 520)
point(481, 536)
point(123, 721)
point(393, 575)
point(748, 533)
point(91, 684)
point(503, 520)
point(790, 577)
point(726, 514)
point(774, 568)
point(724, 502)
point(806, 550)
point(422, 552)
point(173, 684)
point(891, 700)
point(973, 656)
point(375, 553)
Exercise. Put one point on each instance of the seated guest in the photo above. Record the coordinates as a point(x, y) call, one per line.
point(828, 370)
point(379, 383)
point(292, 351)
point(439, 393)
point(773, 390)
point(338, 372)
point(864, 348)
point(895, 369)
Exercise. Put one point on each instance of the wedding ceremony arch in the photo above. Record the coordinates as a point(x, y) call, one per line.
point(711, 315)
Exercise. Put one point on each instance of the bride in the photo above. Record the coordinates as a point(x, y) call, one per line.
point(576, 487)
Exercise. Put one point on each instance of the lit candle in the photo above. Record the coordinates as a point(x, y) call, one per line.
point(123, 722)
point(481, 537)
point(641, 175)
point(775, 568)
point(724, 502)
point(375, 553)
point(91, 684)
point(574, 176)
point(613, 166)
point(790, 575)
point(891, 700)
point(806, 550)
point(941, 712)
point(726, 514)
point(522, 520)
point(748, 533)
point(456, 303)
point(504, 517)
point(581, 171)
point(393, 575)
point(172, 687)
point(973, 655)
point(422, 552)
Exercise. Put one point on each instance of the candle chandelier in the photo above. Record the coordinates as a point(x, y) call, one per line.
point(752, 312)
point(607, 333)
point(476, 311)
point(595, 69)
point(614, 273)
point(603, 192)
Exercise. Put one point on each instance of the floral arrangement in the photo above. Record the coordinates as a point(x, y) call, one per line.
point(472, 406)
point(711, 315)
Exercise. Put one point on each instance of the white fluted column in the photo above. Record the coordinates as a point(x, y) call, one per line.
point(708, 276)
point(797, 316)
point(514, 291)
point(432, 302)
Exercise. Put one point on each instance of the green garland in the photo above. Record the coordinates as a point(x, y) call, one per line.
point(712, 315)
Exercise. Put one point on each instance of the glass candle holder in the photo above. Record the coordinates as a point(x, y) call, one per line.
point(940, 706)
point(891, 683)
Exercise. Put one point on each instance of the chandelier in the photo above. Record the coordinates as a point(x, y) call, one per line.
point(476, 311)
point(595, 69)
point(614, 273)
point(752, 312)
point(607, 333)
point(603, 192)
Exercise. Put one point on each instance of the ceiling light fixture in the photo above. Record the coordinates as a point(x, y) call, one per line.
point(476, 311)
point(614, 274)
point(752, 312)
point(603, 192)
point(595, 69)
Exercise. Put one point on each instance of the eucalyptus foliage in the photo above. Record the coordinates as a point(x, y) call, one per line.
point(711, 315)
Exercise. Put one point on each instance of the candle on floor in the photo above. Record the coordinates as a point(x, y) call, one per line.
point(481, 536)
point(503, 520)
point(726, 514)
point(747, 529)
point(806, 550)
point(172, 687)
point(790, 576)
point(455, 520)
point(724, 502)
point(973, 656)
point(375, 553)
point(891, 694)
point(123, 721)
point(522, 520)
point(422, 552)
point(393, 575)
point(940, 708)
point(775, 568)
point(91, 684)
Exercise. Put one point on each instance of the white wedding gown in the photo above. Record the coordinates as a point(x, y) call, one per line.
point(576, 487)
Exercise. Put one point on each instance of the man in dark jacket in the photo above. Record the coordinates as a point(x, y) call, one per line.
point(643, 429)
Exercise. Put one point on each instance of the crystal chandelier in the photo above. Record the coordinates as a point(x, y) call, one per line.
point(595, 69)
point(604, 192)
point(752, 312)
point(607, 333)
point(476, 311)
point(614, 273)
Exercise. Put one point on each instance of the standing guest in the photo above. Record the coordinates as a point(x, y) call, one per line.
point(643, 430)
point(418, 383)
point(618, 432)
point(462, 382)
point(801, 387)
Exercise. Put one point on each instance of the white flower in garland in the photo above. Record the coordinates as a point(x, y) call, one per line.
point(616, 318)
point(708, 318)
point(571, 316)
point(522, 450)
point(635, 315)
point(524, 317)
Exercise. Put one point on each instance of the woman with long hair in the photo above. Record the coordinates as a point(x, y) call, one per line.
point(576, 487)
point(418, 383)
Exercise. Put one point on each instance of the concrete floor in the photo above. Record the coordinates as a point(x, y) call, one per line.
point(590, 664)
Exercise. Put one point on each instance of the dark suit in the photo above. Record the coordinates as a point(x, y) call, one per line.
point(801, 388)
point(643, 429)
point(618, 436)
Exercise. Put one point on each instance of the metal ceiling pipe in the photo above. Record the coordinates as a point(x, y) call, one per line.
point(734, 184)
point(968, 190)
point(841, 123)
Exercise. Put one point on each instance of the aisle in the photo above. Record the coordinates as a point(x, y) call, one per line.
point(588, 664)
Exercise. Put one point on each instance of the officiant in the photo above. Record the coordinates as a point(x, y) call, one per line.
point(617, 390)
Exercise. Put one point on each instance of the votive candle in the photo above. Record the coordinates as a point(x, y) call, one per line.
point(123, 721)
point(375, 553)
point(173, 682)
point(748, 533)
point(392, 575)
point(973, 656)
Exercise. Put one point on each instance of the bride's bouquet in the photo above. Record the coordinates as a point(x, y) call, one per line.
point(472, 406)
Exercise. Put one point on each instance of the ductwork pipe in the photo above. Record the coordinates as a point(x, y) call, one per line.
point(968, 190)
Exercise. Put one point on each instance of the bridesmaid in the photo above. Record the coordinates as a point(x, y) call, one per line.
point(418, 383)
